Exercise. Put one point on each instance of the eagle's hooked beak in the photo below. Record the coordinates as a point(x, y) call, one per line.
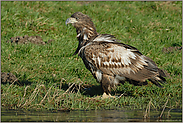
point(70, 20)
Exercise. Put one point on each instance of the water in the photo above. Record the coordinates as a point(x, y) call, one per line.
point(89, 116)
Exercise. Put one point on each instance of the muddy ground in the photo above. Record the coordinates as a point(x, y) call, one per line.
point(171, 49)
point(28, 39)
point(8, 78)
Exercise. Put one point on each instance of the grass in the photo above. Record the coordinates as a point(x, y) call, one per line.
point(58, 79)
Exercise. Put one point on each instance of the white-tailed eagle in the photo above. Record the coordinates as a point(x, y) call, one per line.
point(110, 61)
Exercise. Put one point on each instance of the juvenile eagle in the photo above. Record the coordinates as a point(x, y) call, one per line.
point(110, 61)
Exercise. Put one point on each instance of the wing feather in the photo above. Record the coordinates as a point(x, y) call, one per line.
point(114, 58)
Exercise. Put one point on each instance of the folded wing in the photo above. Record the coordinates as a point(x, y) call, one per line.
point(114, 58)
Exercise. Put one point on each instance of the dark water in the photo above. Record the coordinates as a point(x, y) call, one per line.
point(89, 116)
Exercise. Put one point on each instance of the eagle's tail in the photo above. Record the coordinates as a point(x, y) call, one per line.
point(159, 79)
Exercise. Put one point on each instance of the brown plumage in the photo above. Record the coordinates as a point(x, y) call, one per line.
point(110, 61)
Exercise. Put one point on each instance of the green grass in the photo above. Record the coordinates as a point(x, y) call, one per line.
point(51, 68)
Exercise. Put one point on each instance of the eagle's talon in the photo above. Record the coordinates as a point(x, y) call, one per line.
point(104, 96)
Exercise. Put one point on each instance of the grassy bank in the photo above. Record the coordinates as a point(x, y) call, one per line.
point(51, 78)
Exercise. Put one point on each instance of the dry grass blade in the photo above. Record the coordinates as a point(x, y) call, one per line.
point(147, 113)
point(149, 107)
point(56, 93)
point(33, 95)
point(120, 96)
point(23, 98)
point(10, 86)
point(46, 94)
point(168, 116)
point(73, 89)
point(164, 107)
point(37, 93)
point(68, 88)
point(79, 87)
point(25, 90)
point(65, 92)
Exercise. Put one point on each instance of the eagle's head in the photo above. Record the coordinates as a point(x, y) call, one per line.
point(84, 26)
point(79, 19)
point(85, 29)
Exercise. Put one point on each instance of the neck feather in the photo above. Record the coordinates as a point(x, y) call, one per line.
point(85, 34)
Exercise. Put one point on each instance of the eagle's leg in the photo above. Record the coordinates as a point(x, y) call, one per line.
point(106, 86)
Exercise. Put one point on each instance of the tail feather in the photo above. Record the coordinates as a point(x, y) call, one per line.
point(159, 79)
point(161, 73)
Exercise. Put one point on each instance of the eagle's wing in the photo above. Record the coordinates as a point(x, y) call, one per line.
point(114, 58)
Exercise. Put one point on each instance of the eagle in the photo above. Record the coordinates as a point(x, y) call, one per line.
point(110, 61)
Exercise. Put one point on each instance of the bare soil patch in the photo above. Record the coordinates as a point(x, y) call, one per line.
point(29, 39)
point(11, 78)
point(171, 49)
point(8, 78)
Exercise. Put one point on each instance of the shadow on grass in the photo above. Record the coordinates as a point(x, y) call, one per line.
point(88, 90)
point(19, 83)
point(24, 82)
point(94, 90)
